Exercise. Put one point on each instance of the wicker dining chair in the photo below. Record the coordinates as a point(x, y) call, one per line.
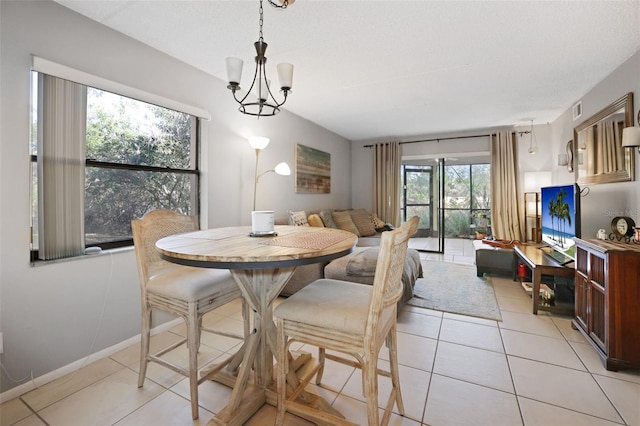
point(349, 318)
point(182, 290)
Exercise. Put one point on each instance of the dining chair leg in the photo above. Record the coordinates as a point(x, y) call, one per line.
point(144, 343)
point(392, 345)
point(282, 365)
point(193, 325)
point(370, 375)
point(321, 358)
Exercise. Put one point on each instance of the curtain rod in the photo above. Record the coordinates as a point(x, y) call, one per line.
point(435, 140)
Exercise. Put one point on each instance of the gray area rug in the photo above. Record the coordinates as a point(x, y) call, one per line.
point(454, 288)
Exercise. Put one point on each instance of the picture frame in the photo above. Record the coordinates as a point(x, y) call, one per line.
point(313, 170)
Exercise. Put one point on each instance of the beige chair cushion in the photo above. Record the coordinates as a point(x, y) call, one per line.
point(190, 284)
point(331, 304)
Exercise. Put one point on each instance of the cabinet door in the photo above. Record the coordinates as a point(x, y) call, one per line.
point(597, 319)
point(581, 300)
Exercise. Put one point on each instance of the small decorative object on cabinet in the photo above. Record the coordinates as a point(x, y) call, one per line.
point(622, 227)
point(532, 223)
point(607, 299)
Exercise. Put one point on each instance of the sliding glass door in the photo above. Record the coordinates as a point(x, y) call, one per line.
point(452, 200)
point(422, 196)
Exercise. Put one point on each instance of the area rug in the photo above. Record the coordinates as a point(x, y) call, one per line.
point(454, 288)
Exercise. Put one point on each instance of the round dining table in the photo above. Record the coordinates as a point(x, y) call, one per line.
point(261, 267)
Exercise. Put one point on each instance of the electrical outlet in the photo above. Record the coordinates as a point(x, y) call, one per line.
point(1, 344)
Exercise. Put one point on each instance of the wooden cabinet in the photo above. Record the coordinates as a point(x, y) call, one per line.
point(607, 300)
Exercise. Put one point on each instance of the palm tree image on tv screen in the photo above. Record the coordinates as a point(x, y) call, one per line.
point(560, 220)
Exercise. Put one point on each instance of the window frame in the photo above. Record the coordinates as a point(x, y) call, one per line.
point(193, 168)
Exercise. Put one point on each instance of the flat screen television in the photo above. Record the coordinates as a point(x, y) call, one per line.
point(560, 220)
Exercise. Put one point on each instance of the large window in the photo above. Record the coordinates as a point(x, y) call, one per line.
point(467, 198)
point(128, 157)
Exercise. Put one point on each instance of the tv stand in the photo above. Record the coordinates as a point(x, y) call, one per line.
point(559, 257)
point(535, 258)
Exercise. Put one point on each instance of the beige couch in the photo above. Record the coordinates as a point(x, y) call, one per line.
point(358, 266)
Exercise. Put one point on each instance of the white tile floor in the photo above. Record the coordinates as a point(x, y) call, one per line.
point(455, 370)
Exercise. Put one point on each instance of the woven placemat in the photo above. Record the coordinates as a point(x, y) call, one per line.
point(311, 240)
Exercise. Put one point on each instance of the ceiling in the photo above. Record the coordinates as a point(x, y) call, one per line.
point(396, 69)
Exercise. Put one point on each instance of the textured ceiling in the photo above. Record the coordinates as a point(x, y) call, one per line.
point(394, 69)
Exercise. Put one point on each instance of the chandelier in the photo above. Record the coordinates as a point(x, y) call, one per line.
point(266, 104)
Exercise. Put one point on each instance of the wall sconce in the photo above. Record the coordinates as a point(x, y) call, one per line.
point(259, 143)
point(567, 159)
point(631, 136)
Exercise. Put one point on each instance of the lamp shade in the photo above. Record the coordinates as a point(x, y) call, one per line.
point(282, 169)
point(631, 137)
point(234, 70)
point(533, 181)
point(285, 75)
point(258, 142)
point(562, 160)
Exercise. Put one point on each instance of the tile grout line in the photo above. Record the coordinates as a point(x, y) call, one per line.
point(433, 365)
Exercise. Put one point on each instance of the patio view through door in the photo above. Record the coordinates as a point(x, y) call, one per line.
point(422, 196)
point(452, 200)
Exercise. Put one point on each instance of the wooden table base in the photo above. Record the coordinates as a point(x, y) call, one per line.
point(250, 371)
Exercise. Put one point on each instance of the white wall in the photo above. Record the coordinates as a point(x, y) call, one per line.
point(603, 201)
point(50, 314)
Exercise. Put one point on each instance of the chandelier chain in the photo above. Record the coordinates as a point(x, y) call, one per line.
point(260, 22)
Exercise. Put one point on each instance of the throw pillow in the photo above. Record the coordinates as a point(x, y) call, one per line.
point(314, 220)
point(327, 219)
point(344, 222)
point(363, 222)
point(298, 218)
point(378, 223)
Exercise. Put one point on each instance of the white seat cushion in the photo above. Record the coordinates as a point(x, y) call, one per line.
point(331, 304)
point(191, 284)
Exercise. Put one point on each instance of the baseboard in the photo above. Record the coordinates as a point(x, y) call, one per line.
point(37, 382)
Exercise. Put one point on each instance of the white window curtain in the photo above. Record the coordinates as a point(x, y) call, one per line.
point(386, 189)
point(61, 167)
point(505, 211)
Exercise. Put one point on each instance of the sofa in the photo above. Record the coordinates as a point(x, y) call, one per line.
point(359, 266)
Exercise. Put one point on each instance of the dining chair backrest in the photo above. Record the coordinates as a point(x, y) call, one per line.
point(151, 227)
point(387, 282)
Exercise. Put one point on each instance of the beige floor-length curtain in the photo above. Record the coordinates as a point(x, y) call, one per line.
point(506, 220)
point(386, 177)
point(61, 167)
point(611, 157)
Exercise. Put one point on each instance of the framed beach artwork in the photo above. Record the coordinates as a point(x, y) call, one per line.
point(313, 170)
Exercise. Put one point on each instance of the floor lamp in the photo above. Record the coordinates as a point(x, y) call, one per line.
point(259, 143)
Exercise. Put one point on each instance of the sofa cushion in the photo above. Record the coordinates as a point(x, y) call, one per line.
point(360, 266)
point(363, 222)
point(327, 219)
point(378, 223)
point(343, 221)
point(298, 218)
point(314, 220)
